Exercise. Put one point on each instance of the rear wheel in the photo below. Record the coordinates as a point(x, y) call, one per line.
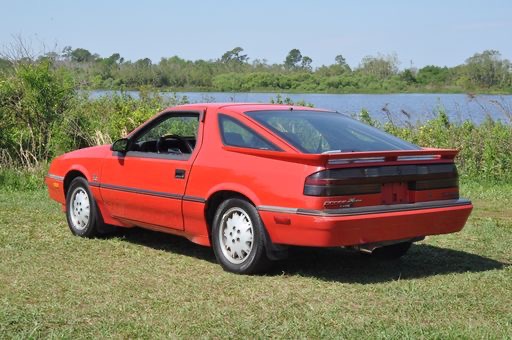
point(391, 252)
point(81, 211)
point(238, 237)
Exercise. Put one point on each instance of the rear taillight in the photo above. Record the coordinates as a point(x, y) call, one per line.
point(369, 180)
point(322, 184)
point(430, 184)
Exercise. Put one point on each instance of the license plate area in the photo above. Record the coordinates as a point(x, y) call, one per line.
point(395, 193)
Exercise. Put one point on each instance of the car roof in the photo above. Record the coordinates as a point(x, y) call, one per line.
point(243, 107)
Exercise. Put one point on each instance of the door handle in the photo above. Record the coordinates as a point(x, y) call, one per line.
point(179, 173)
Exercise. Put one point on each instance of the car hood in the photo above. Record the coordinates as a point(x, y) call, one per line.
point(90, 152)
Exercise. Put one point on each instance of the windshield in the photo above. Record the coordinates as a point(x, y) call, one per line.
point(325, 132)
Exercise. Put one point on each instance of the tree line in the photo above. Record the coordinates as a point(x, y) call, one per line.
point(487, 71)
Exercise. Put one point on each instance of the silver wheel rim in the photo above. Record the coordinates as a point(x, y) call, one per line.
point(80, 209)
point(236, 235)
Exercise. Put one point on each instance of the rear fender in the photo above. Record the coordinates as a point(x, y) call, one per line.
point(236, 187)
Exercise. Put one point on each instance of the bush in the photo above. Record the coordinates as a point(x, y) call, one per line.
point(42, 116)
point(16, 179)
point(33, 101)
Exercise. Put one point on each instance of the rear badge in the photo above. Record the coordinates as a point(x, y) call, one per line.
point(341, 204)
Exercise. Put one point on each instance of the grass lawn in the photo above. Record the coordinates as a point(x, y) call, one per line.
point(146, 284)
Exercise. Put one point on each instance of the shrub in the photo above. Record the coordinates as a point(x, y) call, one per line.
point(33, 102)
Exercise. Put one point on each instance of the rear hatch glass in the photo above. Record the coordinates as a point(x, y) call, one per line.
point(327, 132)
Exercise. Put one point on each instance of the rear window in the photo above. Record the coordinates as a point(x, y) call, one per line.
point(324, 132)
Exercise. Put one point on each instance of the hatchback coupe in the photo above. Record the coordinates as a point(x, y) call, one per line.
point(250, 180)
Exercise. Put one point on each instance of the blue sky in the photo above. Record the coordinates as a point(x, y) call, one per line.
point(424, 32)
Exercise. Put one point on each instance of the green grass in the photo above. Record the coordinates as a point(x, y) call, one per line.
point(149, 285)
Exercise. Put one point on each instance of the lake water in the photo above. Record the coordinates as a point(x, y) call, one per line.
point(399, 107)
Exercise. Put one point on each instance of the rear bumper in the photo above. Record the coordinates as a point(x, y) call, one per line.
point(349, 227)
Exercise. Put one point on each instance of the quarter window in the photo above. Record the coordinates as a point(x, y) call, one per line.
point(234, 133)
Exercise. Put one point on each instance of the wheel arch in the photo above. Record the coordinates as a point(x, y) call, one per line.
point(213, 202)
point(70, 176)
point(74, 171)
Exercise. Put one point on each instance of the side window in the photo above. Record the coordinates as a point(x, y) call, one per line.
point(234, 133)
point(171, 135)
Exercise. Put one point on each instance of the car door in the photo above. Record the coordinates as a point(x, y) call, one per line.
point(145, 185)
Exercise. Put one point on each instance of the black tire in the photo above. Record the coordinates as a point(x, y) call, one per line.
point(82, 213)
point(391, 252)
point(236, 253)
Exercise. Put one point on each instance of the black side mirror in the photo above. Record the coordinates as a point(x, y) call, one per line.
point(120, 145)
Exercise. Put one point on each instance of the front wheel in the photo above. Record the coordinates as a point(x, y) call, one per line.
point(81, 211)
point(238, 237)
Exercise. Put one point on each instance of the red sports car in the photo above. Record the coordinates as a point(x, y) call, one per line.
point(253, 179)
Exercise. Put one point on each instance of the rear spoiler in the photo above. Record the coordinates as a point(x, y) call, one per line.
point(392, 156)
point(353, 157)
